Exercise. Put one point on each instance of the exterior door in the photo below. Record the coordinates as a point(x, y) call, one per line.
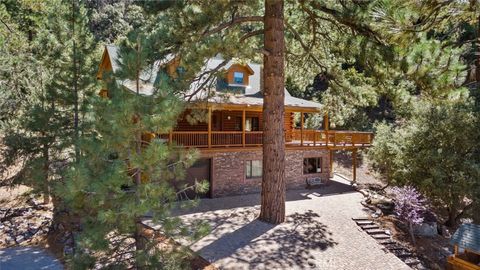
point(199, 171)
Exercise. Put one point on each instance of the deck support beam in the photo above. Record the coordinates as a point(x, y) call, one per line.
point(354, 164)
point(243, 127)
point(209, 127)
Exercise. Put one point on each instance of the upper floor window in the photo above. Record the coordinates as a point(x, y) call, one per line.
point(238, 77)
point(252, 124)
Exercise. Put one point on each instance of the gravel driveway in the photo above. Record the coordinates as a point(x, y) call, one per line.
point(319, 233)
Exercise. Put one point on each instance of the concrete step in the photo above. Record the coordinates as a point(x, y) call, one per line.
point(369, 227)
point(380, 236)
point(376, 231)
point(394, 247)
point(387, 242)
point(404, 255)
point(364, 222)
point(411, 261)
point(360, 218)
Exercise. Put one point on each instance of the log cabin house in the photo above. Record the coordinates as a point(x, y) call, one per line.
point(230, 141)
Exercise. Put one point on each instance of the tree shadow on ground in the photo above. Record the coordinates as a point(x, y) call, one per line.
point(332, 188)
point(292, 244)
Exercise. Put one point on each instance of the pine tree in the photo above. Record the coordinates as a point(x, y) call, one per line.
point(126, 173)
point(43, 130)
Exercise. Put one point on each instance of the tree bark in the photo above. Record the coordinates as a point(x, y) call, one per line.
point(412, 235)
point(477, 70)
point(138, 234)
point(273, 182)
point(75, 87)
point(46, 161)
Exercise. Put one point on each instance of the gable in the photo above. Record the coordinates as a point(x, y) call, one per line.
point(245, 70)
point(105, 64)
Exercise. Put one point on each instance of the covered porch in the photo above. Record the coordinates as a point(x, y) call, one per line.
point(231, 127)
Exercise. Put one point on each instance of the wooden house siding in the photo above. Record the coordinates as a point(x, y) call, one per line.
point(221, 121)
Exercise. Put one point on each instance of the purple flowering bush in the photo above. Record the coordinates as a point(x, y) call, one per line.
point(410, 206)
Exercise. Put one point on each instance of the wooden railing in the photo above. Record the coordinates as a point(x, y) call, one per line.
point(255, 138)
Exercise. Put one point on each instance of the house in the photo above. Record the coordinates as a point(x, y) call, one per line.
point(466, 243)
point(230, 141)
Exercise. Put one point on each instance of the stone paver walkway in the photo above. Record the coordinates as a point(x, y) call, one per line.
point(319, 233)
point(27, 258)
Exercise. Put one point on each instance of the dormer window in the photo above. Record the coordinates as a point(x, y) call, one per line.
point(238, 77)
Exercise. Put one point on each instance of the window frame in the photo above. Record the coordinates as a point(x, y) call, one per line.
point(249, 169)
point(318, 165)
point(254, 123)
point(235, 78)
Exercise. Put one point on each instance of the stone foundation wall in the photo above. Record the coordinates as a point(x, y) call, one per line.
point(228, 170)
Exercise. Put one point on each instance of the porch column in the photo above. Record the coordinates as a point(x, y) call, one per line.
point(209, 127)
point(301, 128)
point(330, 153)
point(326, 126)
point(243, 127)
point(354, 164)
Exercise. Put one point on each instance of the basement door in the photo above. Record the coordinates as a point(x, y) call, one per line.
point(199, 171)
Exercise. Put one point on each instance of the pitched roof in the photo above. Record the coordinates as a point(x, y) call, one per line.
point(467, 236)
point(252, 96)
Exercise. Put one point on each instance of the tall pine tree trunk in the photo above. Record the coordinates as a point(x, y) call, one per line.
point(75, 88)
point(138, 235)
point(273, 182)
point(46, 161)
point(477, 70)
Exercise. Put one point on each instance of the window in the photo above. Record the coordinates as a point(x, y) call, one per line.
point(312, 165)
point(238, 77)
point(251, 124)
point(253, 168)
point(238, 123)
point(180, 70)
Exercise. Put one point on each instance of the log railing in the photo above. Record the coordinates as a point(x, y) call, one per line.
point(293, 138)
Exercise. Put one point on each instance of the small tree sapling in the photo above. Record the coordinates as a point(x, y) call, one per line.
point(409, 207)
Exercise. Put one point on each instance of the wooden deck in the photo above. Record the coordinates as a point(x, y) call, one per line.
point(293, 138)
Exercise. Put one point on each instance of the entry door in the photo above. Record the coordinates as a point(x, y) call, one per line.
point(199, 171)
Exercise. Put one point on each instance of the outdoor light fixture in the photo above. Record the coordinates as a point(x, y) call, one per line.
point(228, 117)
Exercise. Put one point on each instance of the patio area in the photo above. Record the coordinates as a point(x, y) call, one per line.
point(319, 233)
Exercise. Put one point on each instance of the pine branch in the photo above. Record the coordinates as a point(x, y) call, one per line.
point(251, 34)
point(233, 22)
point(211, 75)
point(304, 46)
point(340, 18)
point(8, 27)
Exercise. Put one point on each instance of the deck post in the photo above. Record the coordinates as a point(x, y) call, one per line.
point(330, 153)
point(301, 128)
point(170, 137)
point(354, 164)
point(314, 137)
point(325, 127)
point(243, 127)
point(209, 126)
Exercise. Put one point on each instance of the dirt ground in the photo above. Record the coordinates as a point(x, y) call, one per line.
point(342, 164)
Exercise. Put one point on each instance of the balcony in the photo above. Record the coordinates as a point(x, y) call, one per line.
point(293, 138)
